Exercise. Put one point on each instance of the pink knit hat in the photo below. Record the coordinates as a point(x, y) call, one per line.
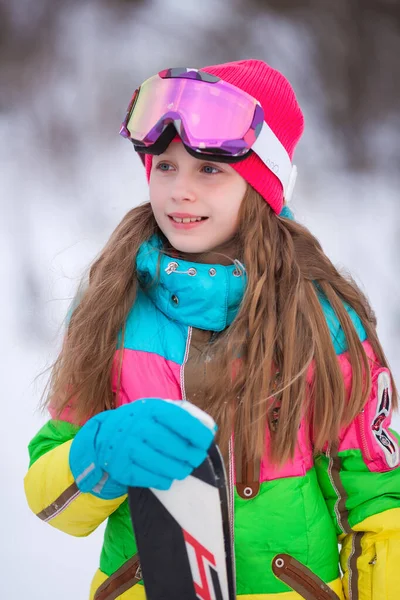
point(282, 113)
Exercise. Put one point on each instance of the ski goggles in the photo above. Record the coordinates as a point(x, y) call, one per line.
point(213, 118)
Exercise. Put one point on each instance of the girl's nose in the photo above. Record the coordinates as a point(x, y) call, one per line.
point(183, 190)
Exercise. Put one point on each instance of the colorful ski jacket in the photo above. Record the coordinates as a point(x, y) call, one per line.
point(289, 523)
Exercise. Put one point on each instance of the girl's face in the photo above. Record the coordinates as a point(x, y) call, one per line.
point(183, 187)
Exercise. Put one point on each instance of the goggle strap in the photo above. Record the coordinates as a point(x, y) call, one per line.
point(268, 147)
point(292, 182)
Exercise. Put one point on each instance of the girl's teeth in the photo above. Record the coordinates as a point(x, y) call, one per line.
point(186, 220)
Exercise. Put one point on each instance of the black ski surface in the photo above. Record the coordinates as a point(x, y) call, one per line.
point(183, 536)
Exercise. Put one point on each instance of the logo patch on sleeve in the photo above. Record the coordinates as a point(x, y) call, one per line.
point(385, 441)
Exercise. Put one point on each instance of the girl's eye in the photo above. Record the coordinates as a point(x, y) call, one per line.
point(163, 166)
point(211, 170)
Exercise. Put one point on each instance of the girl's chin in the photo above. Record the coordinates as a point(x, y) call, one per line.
point(188, 246)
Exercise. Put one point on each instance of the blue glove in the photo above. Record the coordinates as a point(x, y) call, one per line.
point(147, 443)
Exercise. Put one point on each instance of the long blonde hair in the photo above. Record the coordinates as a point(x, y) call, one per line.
point(279, 333)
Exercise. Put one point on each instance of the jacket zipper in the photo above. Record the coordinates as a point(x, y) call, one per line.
point(185, 358)
point(363, 436)
point(232, 499)
point(231, 489)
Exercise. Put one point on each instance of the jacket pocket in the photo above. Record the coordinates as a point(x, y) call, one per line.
point(301, 579)
point(385, 570)
point(122, 580)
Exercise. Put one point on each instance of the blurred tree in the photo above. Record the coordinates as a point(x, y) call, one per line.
point(356, 49)
point(355, 45)
point(28, 31)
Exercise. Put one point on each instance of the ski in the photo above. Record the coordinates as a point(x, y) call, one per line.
point(183, 536)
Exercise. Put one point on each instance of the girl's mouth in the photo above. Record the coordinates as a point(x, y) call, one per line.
point(186, 222)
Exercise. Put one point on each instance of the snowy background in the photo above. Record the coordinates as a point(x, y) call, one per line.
point(67, 73)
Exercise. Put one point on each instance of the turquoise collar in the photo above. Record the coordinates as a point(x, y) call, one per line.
point(205, 296)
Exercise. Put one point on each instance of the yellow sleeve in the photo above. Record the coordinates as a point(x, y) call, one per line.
point(51, 491)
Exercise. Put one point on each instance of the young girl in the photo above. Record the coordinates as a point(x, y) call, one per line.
point(212, 293)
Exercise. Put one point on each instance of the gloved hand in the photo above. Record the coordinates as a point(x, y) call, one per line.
point(147, 443)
